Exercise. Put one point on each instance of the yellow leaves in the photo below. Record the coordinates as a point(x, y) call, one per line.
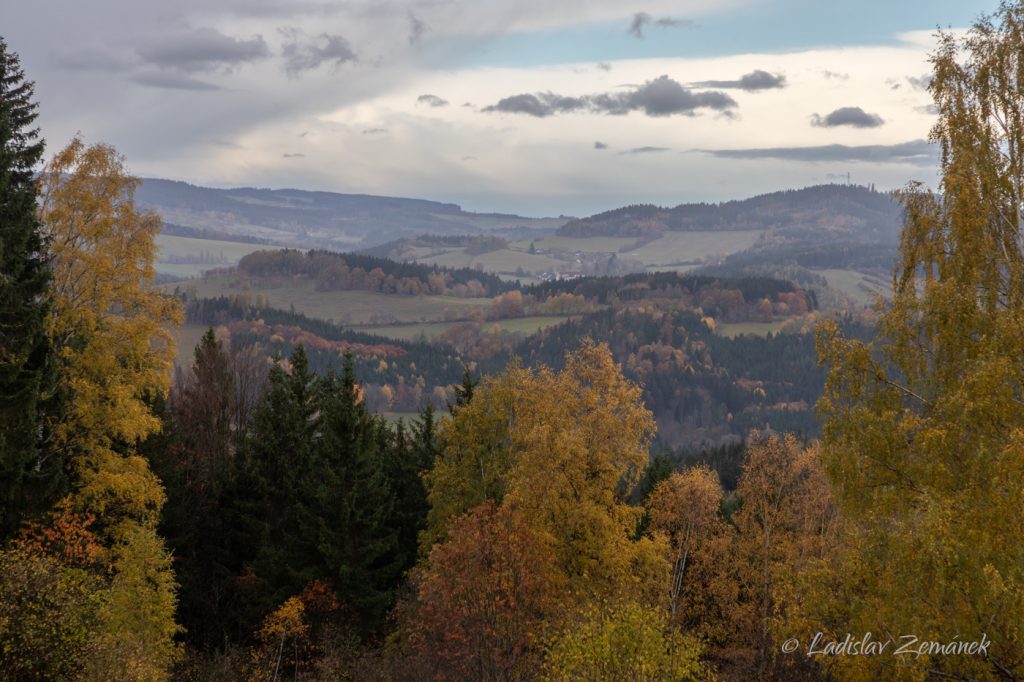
point(110, 326)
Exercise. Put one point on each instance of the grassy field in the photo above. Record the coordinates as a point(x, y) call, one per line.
point(431, 330)
point(223, 254)
point(345, 307)
point(502, 260)
point(734, 329)
point(586, 244)
point(857, 285)
point(681, 247)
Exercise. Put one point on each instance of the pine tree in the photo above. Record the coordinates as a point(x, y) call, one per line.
point(28, 479)
point(264, 527)
point(353, 505)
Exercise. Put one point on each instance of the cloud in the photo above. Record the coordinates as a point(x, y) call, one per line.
point(540, 105)
point(847, 116)
point(917, 152)
point(432, 100)
point(641, 20)
point(604, 66)
point(920, 82)
point(662, 96)
point(835, 75)
point(600, 145)
point(417, 27)
point(203, 49)
point(173, 81)
point(294, 156)
point(375, 131)
point(645, 150)
point(751, 82)
point(930, 109)
point(302, 53)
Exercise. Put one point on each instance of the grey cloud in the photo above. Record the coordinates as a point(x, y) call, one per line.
point(917, 152)
point(662, 96)
point(417, 27)
point(375, 131)
point(753, 81)
point(600, 145)
point(604, 66)
point(847, 116)
point(204, 49)
point(645, 150)
point(930, 109)
point(836, 75)
point(294, 156)
point(173, 81)
point(641, 20)
point(540, 105)
point(432, 100)
point(920, 82)
point(302, 53)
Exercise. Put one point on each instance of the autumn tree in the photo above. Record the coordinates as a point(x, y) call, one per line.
point(110, 329)
point(30, 476)
point(482, 598)
point(924, 431)
point(686, 507)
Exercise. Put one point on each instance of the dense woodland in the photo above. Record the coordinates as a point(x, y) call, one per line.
point(250, 517)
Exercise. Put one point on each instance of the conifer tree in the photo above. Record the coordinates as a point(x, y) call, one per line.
point(26, 475)
point(352, 503)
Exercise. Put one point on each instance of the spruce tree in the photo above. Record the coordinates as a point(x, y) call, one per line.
point(265, 528)
point(354, 515)
point(27, 477)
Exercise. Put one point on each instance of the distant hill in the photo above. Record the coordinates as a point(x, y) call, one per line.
point(319, 219)
point(814, 214)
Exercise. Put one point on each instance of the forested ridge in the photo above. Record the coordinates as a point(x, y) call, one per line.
point(628, 495)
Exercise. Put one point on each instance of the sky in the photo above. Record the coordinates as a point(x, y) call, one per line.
point(518, 106)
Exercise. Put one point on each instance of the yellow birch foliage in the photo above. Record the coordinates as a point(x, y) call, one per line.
point(565, 448)
point(924, 434)
point(109, 326)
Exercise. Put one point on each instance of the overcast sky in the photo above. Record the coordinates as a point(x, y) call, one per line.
point(525, 106)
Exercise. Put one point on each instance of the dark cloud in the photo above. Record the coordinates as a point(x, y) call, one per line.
point(662, 96)
point(645, 150)
point(417, 27)
point(173, 81)
point(930, 109)
point(303, 53)
point(375, 131)
point(540, 105)
point(432, 100)
point(641, 20)
point(294, 156)
point(918, 152)
point(600, 145)
point(920, 82)
point(751, 82)
point(847, 116)
point(604, 66)
point(204, 49)
point(836, 75)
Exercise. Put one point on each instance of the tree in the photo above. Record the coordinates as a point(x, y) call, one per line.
point(685, 507)
point(30, 477)
point(624, 642)
point(481, 598)
point(110, 329)
point(924, 433)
